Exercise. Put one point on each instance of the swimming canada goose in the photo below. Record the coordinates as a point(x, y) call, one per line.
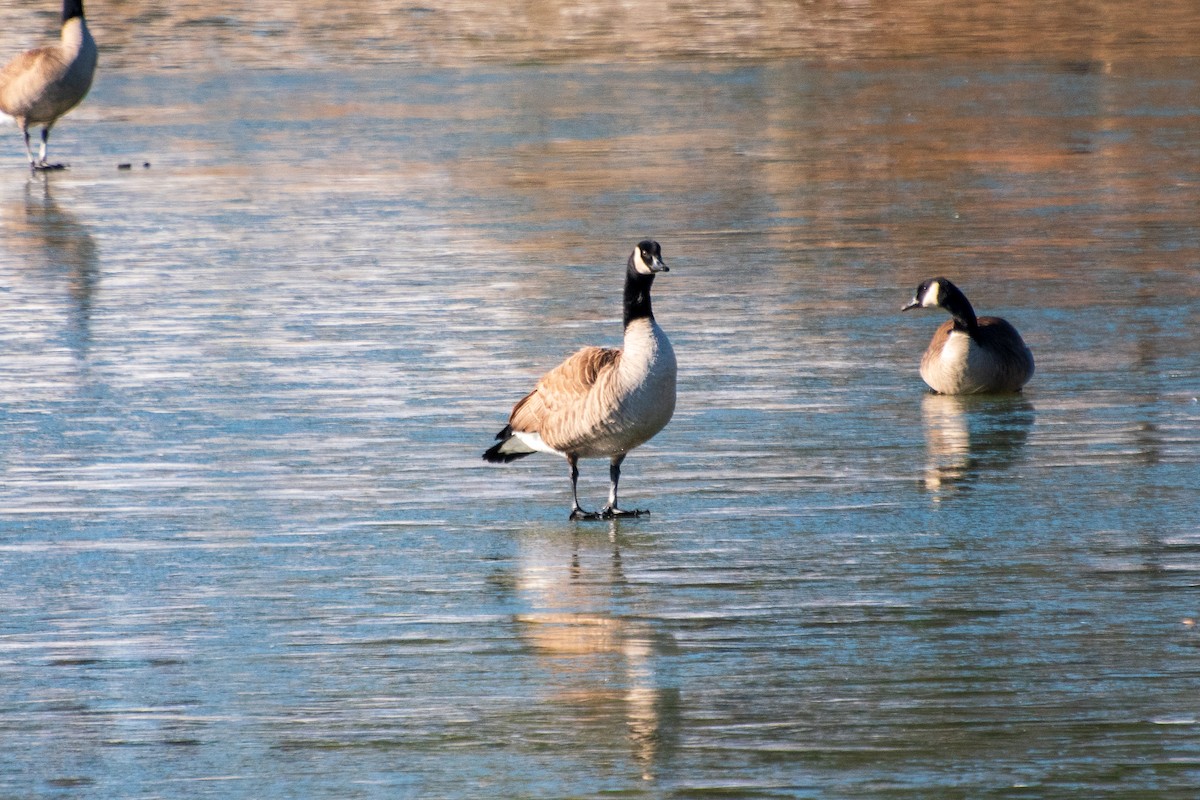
point(601, 402)
point(970, 355)
point(40, 85)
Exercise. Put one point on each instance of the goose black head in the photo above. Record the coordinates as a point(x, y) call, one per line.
point(646, 258)
point(931, 294)
point(941, 293)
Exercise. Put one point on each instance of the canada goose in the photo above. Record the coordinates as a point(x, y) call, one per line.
point(970, 355)
point(40, 85)
point(601, 402)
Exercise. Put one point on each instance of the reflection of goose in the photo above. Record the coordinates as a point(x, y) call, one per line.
point(601, 402)
point(970, 355)
point(969, 436)
point(599, 664)
point(51, 243)
point(39, 86)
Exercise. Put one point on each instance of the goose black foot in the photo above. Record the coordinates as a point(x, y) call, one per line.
point(42, 166)
point(608, 512)
point(612, 512)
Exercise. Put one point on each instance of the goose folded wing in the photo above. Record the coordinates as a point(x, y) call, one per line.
point(562, 391)
point(20, 65)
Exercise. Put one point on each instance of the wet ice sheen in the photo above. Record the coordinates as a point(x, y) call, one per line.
point(249, 548)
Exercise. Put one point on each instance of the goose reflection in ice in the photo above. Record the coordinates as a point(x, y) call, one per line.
point(967, 436)
point(604, 666)
point(51, 245)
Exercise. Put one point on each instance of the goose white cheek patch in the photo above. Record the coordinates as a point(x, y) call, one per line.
point(639, 262)
point(932, 295)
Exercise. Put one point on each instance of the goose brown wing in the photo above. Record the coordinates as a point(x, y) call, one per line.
point(1012, 353)
point(1000, 334)
point(9, 75)
point(23, 79)
point(561, 392)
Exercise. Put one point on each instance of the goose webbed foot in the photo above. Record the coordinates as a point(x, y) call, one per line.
point(612, 512)
point(44, 166)
point(608, 512)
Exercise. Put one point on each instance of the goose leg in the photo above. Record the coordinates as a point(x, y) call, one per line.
point(28, 151)
point(614, 475)
point(576, 511)
point(41, 162)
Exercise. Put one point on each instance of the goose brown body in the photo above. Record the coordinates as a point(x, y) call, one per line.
point(601, 402)
point(969, 354)
point(39, 86)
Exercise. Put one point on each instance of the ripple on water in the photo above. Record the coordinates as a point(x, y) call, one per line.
point(250, 547)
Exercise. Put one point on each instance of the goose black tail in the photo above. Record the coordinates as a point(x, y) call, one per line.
point(507, 449)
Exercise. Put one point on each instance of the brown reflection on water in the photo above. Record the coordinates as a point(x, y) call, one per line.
point(196, 32)
point(870, 177)
point(955, 171)
point(971, 438)
point(50, 251)
point(602, 667)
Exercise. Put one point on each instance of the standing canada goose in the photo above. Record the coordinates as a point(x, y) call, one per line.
point(970, 355)
point(601, 402)
point(40, 85)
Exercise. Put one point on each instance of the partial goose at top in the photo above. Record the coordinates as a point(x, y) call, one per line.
point(601, 402)
point(40, 85)
point(969, 354)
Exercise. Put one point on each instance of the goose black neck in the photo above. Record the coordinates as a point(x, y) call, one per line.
point(637, 295)
point(955, 302)
point(72, 9)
